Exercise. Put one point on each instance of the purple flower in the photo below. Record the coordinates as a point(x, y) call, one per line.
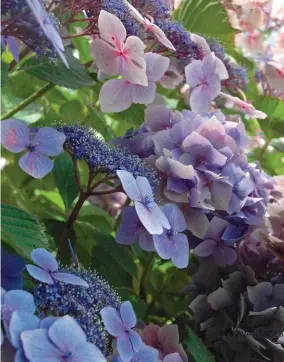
point(221, 250)
point(202, 76)
point(131, 229)
point(49, 269)
point(47, 27)
point(173, 357)
point(116, 95)
point(139, 191)
point(12, 266)
point(145, 354)
point(172, 244)
point(63, 341)
point(120, 324)
point(265, 295)
point(12, 45)
point(16, 137)
point(160, 117)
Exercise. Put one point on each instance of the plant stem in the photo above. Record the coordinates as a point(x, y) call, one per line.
point(28, 101)
point(264, 149)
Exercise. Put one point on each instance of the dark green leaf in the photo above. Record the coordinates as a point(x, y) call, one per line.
point(207, 17)
point(65, 179)
point(198, 349)
point(133, 115)
point(74, 77)
point(4, 74)
point(21, 230)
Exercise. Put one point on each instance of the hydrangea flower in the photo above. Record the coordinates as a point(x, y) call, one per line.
point(12, 45)
point(116, 95)
point(172, 244)
point(115, 53)
point(12, 266)
point(120, 324)
point(16, 137)
point(64, 340)
point(221, 250)
point(131, 229)
point(173, 357)
point(265, 295)
point(48, 269)
point(202, 76)
point(145, 354)
point(140, 191)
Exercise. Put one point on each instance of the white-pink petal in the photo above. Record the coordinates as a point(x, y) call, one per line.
point(111, 28)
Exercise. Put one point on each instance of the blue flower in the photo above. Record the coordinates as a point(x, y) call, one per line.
point(12, 266)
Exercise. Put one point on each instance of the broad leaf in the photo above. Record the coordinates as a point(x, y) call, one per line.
point(64, 175)
point(21, 230)
point(74, 77)
point(4, 74)
point(198, 349)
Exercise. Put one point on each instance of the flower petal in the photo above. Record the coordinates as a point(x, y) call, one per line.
point(115, 95)
point(70, 279)
point(129, 185)
point(17, 300)
point(174, 216)
point(205, 248)
point(180, 254)
point(124, 347)
point(143, 95)
point(88, 353)
point(129, 228)
point(44, 259)
point(173, 357)
point(146, 241)
point(148, 219)
point(127, 314)
point(193, 72)
point(200, 99)
point(111, 28)
point(157, 66)
point(20, 322)
point(224, 255)
point(161, 217)
point(163, 245)
point(15, 135)
point(112, 321)
point(49, 141)
point(39, 274)
point(135, 339)
point(161, 36)
point(106, 57)
point(35, 164)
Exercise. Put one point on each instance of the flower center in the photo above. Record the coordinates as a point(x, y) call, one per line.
point(31, 148)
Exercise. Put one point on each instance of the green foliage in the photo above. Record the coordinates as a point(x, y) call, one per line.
point(74, 77)
point(207, 17)
point(65, 179)
point(197, 348)
point(21, 230)
point(4, 74)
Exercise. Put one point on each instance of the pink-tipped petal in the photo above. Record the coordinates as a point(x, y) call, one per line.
point(35, 164)
point(106, 57)
point(15, 135)
point(111, 28)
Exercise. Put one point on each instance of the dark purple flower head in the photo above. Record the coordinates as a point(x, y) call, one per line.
point(265, 295)
point(12, 266)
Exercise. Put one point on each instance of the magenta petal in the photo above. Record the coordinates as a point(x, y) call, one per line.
point(49, 141)
point(39, 274)
point(15, 135)
point(35, 164)
point(124, 347)
point(180, 253)
point(127, 314)
point(135, 339)
point(70, 279)
point(205, 248)
point(44, 259)
point(112, 321)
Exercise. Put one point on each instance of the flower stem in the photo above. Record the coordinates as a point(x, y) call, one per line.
point(27, 101)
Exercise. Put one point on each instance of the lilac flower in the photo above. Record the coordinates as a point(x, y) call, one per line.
point(158, 118)
point(12, 45)
point(47, 27)
point(221, 250)
point(202, 77)
point(145, 354)
point(116, 54)
point(265, 295)
point(64, 340)
point(12, 266)
point(116, 95)
point(131, 229)
point(120, 324)
point(139, 191)
point(16, 137)
point(172, 244)
point(49, 269)
point(173, 357)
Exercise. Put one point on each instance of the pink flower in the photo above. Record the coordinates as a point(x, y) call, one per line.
point(116, 54)
point(242, 106)
point(274, 72)
point(165, 339)
point(116, 95)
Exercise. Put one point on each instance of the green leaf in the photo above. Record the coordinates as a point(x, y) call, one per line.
point(4, 74)
point(198, 349)
point(133, 115)
point(74, 77)
point(64, 175)
point(139, 306)
point(207, 17)
point(30, 114)
point(21, 230)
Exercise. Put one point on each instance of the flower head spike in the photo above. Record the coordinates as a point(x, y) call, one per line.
point(120, 324)
point(48, 269)
point(116, 54)
point(63, 341)
point(117, 95)
point(140, 191)
point(202, 76)
point(16, 137)
point(150, 26)
point(12, 266)
point(172, 244)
